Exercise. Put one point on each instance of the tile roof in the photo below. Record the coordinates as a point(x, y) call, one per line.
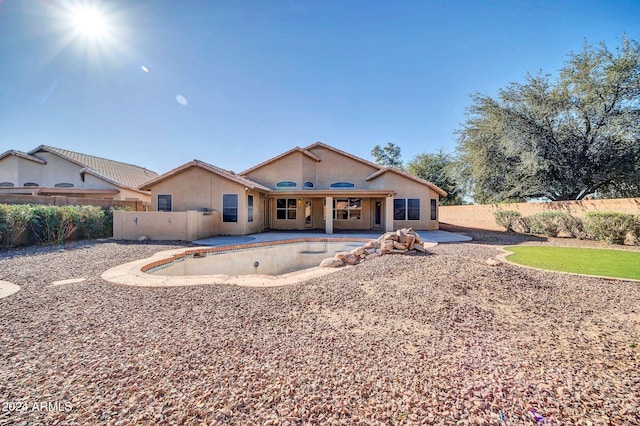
point(384, 170)
point(211, 168)
point(116, 172)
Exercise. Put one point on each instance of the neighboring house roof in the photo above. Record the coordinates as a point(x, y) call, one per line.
point(22, 155)
point(304, 151)
point(211, 168)
point(384, 170)
point(115, 172)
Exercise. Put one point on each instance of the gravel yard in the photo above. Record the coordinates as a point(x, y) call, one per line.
point(438, 339)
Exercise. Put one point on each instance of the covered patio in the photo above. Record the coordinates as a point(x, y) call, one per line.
point(332, 210)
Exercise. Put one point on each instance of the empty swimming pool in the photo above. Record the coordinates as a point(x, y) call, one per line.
point(270, 260)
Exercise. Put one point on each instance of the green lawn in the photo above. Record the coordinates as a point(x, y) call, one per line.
point(610, 263)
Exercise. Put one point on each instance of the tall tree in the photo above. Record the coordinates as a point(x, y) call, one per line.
point(439, 169)
point(388, 155)
point(562, 139)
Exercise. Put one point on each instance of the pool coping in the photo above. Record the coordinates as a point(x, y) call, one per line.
point(134, 273)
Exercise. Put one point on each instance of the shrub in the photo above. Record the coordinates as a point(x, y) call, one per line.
point(92, 221)
point(610, 227)
point(508, 219)
point(52, 224)
point(4, 225)
point(553, 223)
point(18, 217)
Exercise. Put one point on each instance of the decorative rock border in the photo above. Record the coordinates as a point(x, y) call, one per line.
point(402, 241)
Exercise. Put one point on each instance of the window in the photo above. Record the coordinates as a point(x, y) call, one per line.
point(250, 208)
point(63, 185)
point(413, 208)
point(229, 207)
point(32, 184)
point(399, 211)
point(286, 184)
point(406, 209)
point(343, 185)
point(6, 185)
point(347, 209)
point(286, 209)
point(164, 203)
point(308, 185)
point(434, 209)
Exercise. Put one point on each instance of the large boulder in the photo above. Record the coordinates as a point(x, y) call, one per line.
point(331, 262)
point(386, 246)
point(358, 251)
point(388, 236)
point(347, 258)
point(372, 244)
point(419, 248)
point(399, 246)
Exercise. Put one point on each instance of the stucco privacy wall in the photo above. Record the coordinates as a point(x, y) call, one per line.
point(186, 226)
point(481, 216)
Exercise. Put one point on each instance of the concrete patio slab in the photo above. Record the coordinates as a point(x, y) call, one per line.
point(428, 236)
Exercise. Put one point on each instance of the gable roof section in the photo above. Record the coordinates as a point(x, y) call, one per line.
point(304, 151)
point(208, 167)
point(346, 154)
point(21, 154)
point(384, 170)
point(115, 172)
point(380, 169)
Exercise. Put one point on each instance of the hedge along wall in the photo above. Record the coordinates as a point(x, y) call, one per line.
point(62, 200)
point(481, 216)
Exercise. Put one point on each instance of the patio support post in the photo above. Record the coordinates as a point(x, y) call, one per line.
point(388, 214)
point(328, 227)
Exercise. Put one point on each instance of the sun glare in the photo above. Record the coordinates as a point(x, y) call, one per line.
point(89, 22)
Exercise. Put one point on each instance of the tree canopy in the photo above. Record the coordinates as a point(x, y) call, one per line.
point(388, 155)
point(563, 138)
point(439, 169)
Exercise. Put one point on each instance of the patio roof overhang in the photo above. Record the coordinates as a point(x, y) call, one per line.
point(322, 193)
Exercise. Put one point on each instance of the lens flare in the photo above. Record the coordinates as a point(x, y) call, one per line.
point(90, 22)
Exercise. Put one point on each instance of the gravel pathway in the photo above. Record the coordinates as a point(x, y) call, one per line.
point(438, 339)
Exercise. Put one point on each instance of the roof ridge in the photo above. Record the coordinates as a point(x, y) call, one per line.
point(88, 155)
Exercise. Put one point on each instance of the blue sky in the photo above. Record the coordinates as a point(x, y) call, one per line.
point(236, 82)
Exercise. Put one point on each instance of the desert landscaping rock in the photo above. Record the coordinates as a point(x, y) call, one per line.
point(399, 242)
point(331, 262)
point(439, 339)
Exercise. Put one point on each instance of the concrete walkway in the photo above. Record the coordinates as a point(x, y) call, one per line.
point(428, 236)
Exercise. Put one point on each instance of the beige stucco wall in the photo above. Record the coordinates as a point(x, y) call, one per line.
point(196, 189)
point(299, 168)
point(481, 216)
point(287, 168)
point(9, 169)
point(185, 226)
point(406, 188)
point(58, 170)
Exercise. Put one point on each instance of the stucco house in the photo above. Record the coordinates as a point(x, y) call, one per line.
point(316, 187)
point(47, 170)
